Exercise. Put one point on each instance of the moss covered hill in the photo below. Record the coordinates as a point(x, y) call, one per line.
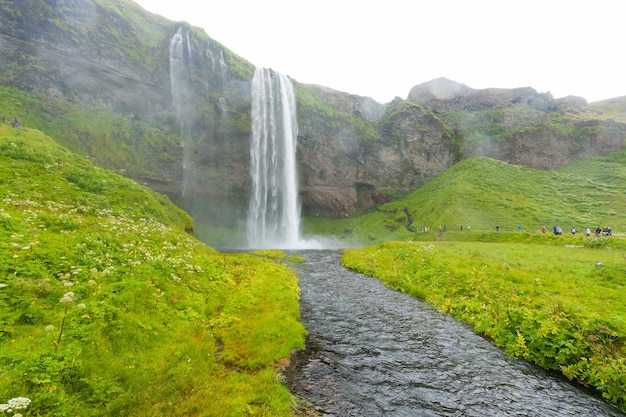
point(483, 193)
point(109, 308)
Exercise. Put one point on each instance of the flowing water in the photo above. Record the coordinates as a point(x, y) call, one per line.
point(179, 61)
point(372, 351)
point(274, 212)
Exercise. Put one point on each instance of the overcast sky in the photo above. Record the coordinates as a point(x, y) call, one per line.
point(382, 48)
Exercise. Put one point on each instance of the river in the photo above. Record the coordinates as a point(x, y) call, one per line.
point(372, 351)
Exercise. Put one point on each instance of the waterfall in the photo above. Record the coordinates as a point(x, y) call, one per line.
point(180, 93)
point(274, 211)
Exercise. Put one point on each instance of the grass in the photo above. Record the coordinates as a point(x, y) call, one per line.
point(483, 193)
point(561, 307)
point(109, 307)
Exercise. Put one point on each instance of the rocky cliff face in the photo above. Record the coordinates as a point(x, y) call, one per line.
point(352, 151)
point(520, 126)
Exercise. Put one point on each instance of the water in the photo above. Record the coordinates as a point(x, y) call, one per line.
point(274, 210)
point(372, 351)
point(180, 95)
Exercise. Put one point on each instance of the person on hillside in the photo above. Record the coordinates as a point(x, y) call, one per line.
point(587, 232)
point(469, 227)
point(543, 230)
point(16, 122)
point(519, 227)
point(497, 228)
point(598, 231)
point(573, 230)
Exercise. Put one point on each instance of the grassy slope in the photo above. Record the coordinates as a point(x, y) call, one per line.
point(161, 324)
point(484, 193)
point(614, 108)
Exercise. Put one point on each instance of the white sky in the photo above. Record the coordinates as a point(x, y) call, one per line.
point(382, 48)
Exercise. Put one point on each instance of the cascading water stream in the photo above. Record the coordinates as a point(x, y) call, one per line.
point(274, 210)
point(179, 91)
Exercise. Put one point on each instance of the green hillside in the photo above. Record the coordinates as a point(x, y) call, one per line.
point(109, 308)
point(483, 193)
point(614, 108)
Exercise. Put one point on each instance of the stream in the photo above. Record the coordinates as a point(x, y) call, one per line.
point(372, 351)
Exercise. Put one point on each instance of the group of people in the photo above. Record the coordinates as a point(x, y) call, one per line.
point(597, 232)
point(15, 123)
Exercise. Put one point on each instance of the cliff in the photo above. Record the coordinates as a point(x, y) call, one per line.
point(170, 107)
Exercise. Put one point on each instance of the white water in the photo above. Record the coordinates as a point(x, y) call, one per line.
point(274, 211)
point(179, 91)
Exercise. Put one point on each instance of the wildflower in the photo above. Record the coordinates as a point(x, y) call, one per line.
point(68, 284)
point(68, 297)
point(2, 285)
point(81, 306)
point(49, 328)
point(18, 403)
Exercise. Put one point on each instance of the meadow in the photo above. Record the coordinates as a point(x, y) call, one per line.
point(110, 307)
point(560, 306)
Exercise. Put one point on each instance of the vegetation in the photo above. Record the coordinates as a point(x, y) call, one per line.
point(323, 108)
point(483, 193)
point(109, 308)
point(128, 146)
point(561, 308)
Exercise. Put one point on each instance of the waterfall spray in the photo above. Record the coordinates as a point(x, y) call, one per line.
point(274, 211)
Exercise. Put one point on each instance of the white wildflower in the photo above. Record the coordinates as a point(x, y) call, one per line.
point(19, 403)
point(68, 297)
